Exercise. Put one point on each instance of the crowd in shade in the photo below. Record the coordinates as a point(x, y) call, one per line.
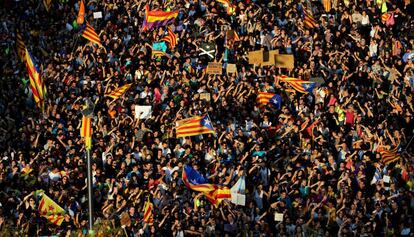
point(324, 148)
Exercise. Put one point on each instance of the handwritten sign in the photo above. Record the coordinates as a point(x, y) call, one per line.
point(269, 57)
point(255, 57)
point(284, 61)
point(205, 96)
point(231, 68)
point(214, 68)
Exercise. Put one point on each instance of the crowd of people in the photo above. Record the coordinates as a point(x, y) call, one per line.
point(327, 181)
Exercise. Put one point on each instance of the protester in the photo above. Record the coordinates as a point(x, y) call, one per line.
point(320, 160)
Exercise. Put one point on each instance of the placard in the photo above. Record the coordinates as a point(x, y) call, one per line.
point(231, 68)
point(269, 57)
point(284, 61)
point(214, 68)
point(278, 216)
point(255, 57)
point(205, 96)
point(125, 219)
point(143, 111)
point(97, 15)
point(386, 179)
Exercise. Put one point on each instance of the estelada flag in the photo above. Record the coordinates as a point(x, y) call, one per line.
point(148, 212)
point(52, 211)
point(118, 92)
point(197, 125)
point(171, 38)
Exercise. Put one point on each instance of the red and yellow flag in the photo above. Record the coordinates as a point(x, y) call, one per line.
point(118, 92)
point(390, 156)
point(148, 212)
point(90, 34)
point(219, 194)
point(36, 82)
point(197, 125)
point(171, 38)
point(52, 211)
point(21, 48)
point(86, 131)
point(81, 14)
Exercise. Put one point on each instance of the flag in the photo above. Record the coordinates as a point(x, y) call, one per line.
point(171, 38)
point(118, 92)
point(21, 48)
point(90, 34)
point(197, 125)
point(148, 212)
point(86, 131)
point(390, 156)
point(265, 98)
point(230, 8)
point(299, 85)
point(308, 19)
point(327, 5)
point(51, 211)
point(385, 17)
point(159, 46)
point(36, 82)
point(195, 181)
point(157, 18)
point(377, 176)
point(238, 192)
point(81, 14)
point(311, 127)
point(47, 4)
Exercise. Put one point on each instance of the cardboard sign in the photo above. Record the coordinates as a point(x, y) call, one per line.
point(143, 111)
point(125, 219)
point(231, 68)
point(386, 179)
point(97, 15)
point(214, 68)
point(269, 57)
point(278, 216)
point(255, 57)
point(205, 96)
point(284, 61)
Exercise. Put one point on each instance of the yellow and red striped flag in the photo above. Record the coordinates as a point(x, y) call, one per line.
point(299, 85)
point(390, 156)
point(194, 126)
point(51, 211)
point(21, 48)
point(229, 7)
point(327, 5)
point(118, 92)
point(308, 19)
point(36, 82)
point(159, 54)
point(385, 17)
point(148, 212)
point(219, 194)
point(86, 131)
point(47, 4)
point(90, 34)
point(171, 38)
point(81, 14)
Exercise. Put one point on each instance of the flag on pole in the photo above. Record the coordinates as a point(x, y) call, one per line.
point(90, 34)
point(36, 82)
point(197, 125)
point(148, 212)
point(51, 211)
point(157, 18)
point(81, 14)
point(21, 48)
point(118, 92)
point(171, 38)
point(86, 131)
point(299, 85)
point(265, 98)
point(308, 19)
point(47, 4)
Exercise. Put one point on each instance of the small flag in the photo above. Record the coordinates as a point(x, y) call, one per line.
point(159, 54)
point(327, 5)
point(21, 48)
point(238, 192)
point(118, 92)
point(171, 38)
point(52, 211)
point(47, 4)
point(308, 19)
point(265, 98)
point(385, 17)
point(390, 156)
point(377, 176)
point(90, 34)
point(81, 14)
point(157, 18)
point(196, 125)
point(148, 212)
point(86, 131)
point(36, 82)
point(299, 85)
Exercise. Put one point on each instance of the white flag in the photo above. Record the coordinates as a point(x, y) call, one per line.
point(238, 192)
